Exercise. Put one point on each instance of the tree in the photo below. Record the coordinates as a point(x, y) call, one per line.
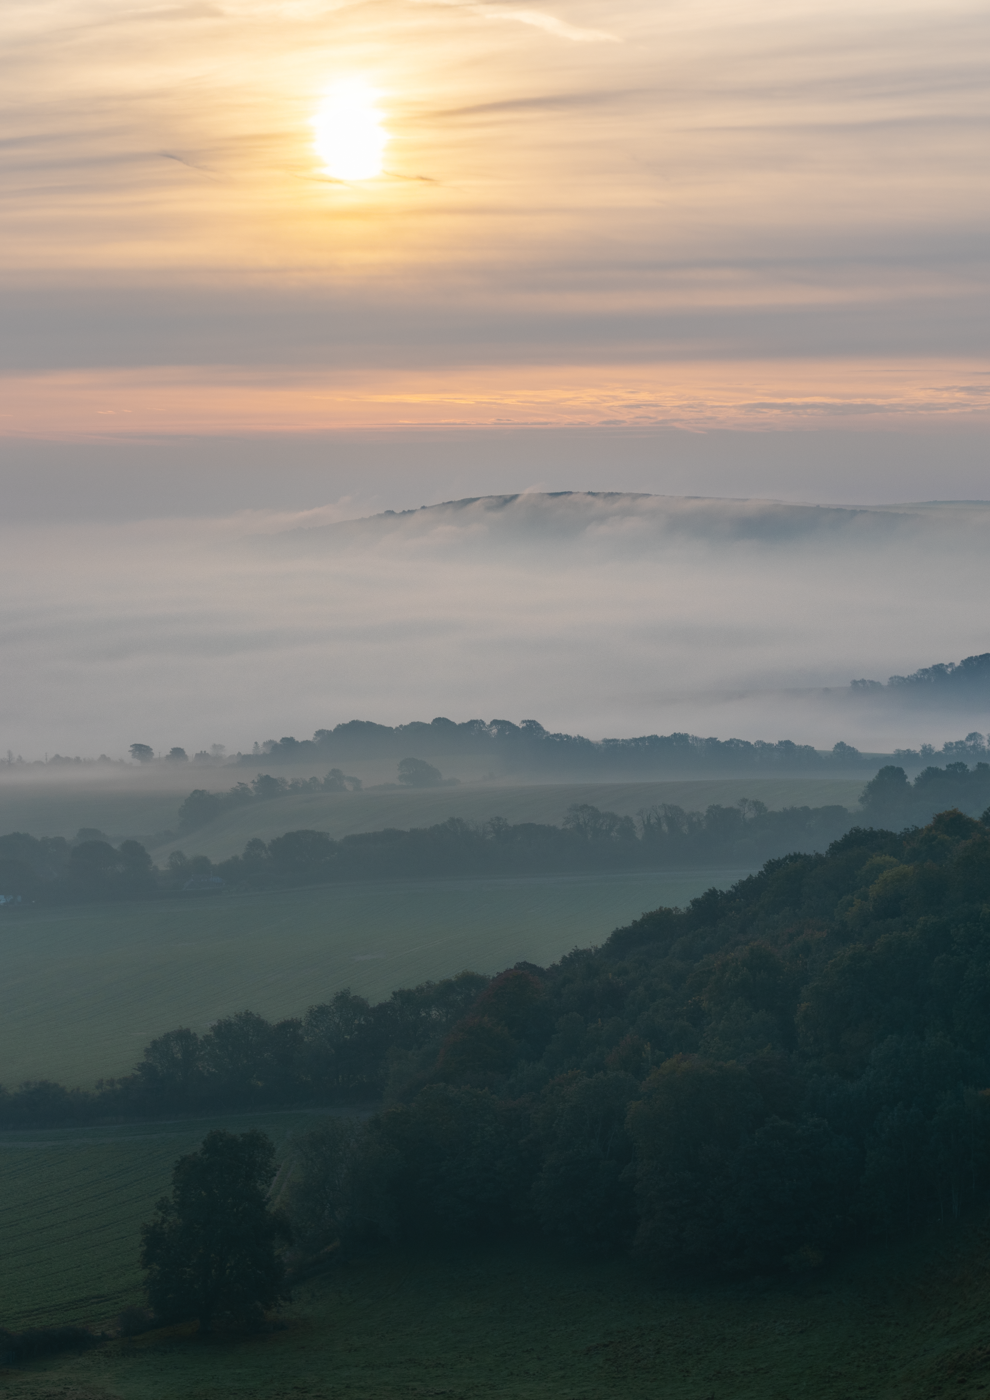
point(96, 870)
point(136, 868)
point(142, 753)
point(171, 1070)
point(323, 1169)
point(199, 808)
point(593, 825)
point(177, 756)
point(584, 1193)
point(211, 1251)
point(248, 1058)
point(455, 1162)
point(886, 798)
point(692, 1116)
point(415, 772)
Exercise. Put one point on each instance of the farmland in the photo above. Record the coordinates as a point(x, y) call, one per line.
point(86, 987)
point(72, 1207)
point(521, 1322)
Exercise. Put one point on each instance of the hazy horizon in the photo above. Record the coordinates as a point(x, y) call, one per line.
point(735, 256)
point(608, 615)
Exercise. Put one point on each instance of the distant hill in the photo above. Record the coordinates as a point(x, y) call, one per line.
point(527, 747)
point(966, 680)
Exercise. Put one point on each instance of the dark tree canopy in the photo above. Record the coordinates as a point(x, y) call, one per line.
point(416, 772)
point(211, 1253)
point(778, 1072)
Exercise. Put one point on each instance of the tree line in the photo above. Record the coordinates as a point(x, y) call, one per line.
point(749, 1084)
point(968, 679)
point(891, 800)
point(53, 870)
point(202, 807)
point(529, 747)
point(661, 837)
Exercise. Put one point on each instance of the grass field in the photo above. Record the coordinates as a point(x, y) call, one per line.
point(119, 801)
point(72, 1206)
point(85, 988)
point(132, 802)
point(517, 1322)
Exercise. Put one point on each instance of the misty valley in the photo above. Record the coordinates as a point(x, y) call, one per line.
point(766, 1099)
point(494, 700)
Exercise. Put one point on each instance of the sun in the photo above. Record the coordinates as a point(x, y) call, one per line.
point(350, 137)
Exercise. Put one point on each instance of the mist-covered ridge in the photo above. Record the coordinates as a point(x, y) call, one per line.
point(967, 679)
point(631, 517)
point(615, 613)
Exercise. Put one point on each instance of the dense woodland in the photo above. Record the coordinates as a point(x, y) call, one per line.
point(752, 1083)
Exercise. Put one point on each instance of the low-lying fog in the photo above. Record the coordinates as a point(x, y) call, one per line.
point(604, 615)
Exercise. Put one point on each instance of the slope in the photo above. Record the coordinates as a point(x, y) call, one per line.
point(341, 814)
point(86, 987)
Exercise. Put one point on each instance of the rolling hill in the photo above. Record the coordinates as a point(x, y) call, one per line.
point(86, 987)
point(342, 814)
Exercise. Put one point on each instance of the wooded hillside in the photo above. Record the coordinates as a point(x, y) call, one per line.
point(770, 1074)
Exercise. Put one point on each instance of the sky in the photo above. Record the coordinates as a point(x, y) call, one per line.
point(703, 249)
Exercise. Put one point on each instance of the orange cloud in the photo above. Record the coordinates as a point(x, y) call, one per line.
point(85, 404)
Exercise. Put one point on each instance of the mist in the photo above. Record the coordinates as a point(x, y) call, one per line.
point(606, 615)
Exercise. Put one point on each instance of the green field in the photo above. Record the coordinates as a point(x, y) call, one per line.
point(85, 988)
point(71, 1211)
point(523, 1322)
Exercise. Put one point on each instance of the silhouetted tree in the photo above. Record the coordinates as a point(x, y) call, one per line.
point(211, 1251)
point(415, 772)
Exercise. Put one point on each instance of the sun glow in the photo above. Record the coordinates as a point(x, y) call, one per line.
point(350, 137)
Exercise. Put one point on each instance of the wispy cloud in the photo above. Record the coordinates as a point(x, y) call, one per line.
point(774, 184)
point(286, 399)
point(539, 19)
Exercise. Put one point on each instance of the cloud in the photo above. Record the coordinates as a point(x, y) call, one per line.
point(539, 19)
point(716, 181)
point(346, 395)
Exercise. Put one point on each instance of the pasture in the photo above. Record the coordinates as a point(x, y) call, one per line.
point(85, 987)
point(512, 1321)
point(72, 1206)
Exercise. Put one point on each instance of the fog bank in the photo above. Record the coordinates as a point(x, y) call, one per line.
point(607, 615)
